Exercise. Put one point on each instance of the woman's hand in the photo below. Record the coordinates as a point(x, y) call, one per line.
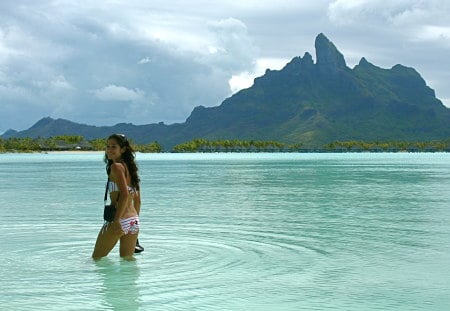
point(117, 228)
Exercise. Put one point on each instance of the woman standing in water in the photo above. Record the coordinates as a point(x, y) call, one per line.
point(123, 188)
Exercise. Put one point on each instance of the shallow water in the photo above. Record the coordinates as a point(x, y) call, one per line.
point(231, 232)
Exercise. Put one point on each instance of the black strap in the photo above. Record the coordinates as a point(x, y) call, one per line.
point(106, 192)
point(107, 184)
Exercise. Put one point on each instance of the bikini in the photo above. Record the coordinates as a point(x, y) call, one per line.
point(112, 186)
point(129, 225)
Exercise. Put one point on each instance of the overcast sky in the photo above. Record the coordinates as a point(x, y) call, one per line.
point(104, 62)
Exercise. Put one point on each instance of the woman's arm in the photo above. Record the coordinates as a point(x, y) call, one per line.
point(137, 201)
point(118, 174)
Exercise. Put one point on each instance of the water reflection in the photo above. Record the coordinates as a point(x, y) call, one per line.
point(119, 288)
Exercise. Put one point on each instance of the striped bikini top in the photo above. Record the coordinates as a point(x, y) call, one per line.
point(112, 186)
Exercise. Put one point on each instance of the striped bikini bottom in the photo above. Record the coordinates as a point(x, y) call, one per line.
point(130, 225)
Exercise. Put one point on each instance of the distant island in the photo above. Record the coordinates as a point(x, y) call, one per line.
point(309, 105)
point(78, 143)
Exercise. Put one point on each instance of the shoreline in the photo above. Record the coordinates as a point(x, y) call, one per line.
point(54, 152)
point(74, 152)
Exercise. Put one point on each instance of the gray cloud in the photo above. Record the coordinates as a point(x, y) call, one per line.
point(104, 62)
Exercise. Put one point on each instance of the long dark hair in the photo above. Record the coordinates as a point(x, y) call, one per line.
point(127, 157)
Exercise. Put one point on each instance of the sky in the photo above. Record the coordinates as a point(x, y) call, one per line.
point(105, 62)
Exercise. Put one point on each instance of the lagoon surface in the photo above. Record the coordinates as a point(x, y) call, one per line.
point(362, 231)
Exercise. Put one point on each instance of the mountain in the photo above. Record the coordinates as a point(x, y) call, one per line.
point(47, 127)
point(327, 101)
point(305, 102)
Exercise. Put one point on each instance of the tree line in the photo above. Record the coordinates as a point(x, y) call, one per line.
point(75, 142)
point(233, 145)
point(391, 146)
point(65, 143)
point(203, 145)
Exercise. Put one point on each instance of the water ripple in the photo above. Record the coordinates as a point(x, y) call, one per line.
point(233, 232)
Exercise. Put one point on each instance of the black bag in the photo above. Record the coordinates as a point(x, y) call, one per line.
point(109, 211)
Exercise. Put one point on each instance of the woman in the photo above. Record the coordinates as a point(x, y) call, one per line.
point(123, 187)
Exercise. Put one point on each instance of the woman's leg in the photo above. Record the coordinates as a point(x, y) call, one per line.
point(127, 245)
point(106, 240)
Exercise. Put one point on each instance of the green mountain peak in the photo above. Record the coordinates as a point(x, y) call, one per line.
point(305, 102)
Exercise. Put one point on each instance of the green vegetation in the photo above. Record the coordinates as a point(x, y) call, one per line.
point(65, 143)
point(22, 144)
point(203, 145)
point(154, 147)
point(393, 146)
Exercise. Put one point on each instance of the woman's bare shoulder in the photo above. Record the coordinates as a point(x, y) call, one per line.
point(117, 168)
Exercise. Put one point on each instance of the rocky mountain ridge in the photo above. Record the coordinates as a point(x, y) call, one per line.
point(305, 102)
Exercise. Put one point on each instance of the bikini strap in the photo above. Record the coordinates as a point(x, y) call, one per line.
point(106, 191)
point(107, 184)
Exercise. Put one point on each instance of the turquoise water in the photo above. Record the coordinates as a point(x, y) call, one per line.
point(231, 232)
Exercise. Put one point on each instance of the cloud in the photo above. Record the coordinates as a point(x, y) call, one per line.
point(10, 93)
point(145, 60)
point(245, 79)
point(77, 64)
point(155, 61)
point(232, 48)
point(434, 33)
point(119, 93)
point(353, 11)
point(400, 13)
